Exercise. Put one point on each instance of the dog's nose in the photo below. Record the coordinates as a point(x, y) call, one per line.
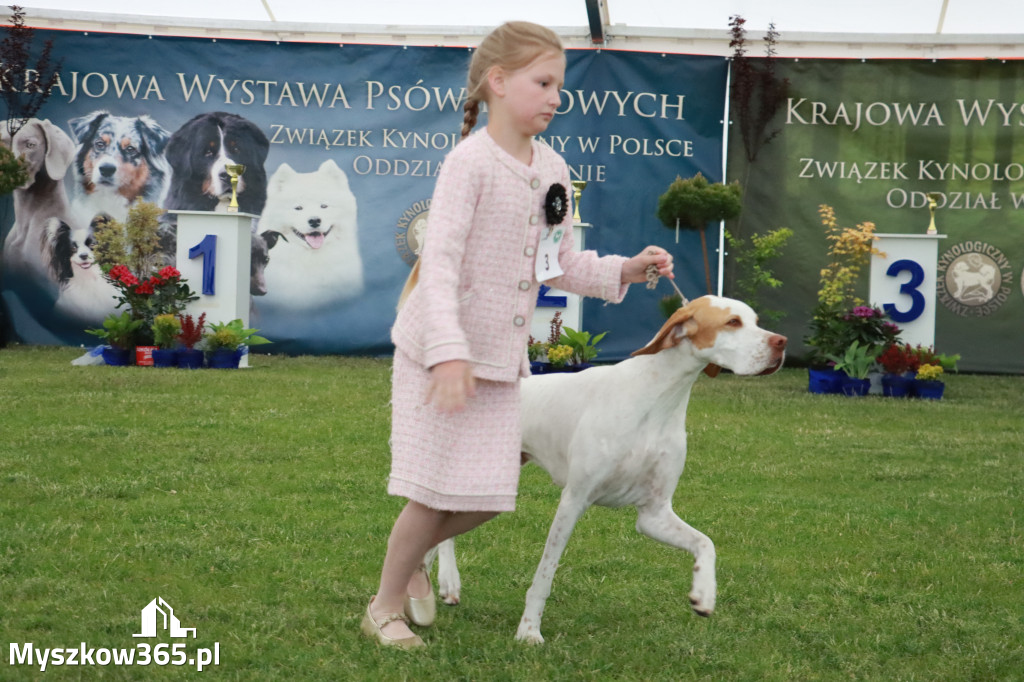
point(777, 341)
point(314, 222)
point(108, 169)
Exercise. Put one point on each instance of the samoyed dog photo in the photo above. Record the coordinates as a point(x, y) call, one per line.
point(315, 261)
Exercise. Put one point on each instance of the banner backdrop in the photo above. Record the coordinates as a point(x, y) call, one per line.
point(872, 139)
point(341, 145)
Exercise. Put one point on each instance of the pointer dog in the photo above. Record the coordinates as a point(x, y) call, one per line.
point(615, 436)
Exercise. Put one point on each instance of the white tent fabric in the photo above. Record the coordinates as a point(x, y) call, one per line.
point(991, 29)
point(948, 17)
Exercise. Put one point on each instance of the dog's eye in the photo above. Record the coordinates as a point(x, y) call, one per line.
point(100, 145)
point(734, 322)
point(323, 205)
point(298, 208)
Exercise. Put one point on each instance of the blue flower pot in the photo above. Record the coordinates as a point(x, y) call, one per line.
point(855, 387)
point(929, 390)
point(119, 357)
point(190, 358)
point(825, 380)
point(165, 357)
point(896, 385)
point(223, 358)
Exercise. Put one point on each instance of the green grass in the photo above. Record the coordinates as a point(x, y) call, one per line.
point(863, 539)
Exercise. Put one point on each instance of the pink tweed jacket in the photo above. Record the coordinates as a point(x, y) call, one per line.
point(477, 288)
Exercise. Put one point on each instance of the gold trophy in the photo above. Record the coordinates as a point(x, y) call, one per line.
point(235, 170)
point(933, 201)
point(577, 191)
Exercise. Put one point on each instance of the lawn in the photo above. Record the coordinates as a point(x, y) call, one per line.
point(863, 539)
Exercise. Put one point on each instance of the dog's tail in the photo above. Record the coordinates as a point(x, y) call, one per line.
point(410, 284)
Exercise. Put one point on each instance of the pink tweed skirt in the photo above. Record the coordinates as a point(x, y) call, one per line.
point(466, 461)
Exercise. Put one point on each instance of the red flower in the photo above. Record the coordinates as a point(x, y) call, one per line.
point(119, 271)
point(128, 279)
point(169, 272)
point(145, 288)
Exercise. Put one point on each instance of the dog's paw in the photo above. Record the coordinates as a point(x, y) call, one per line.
point(448, 590)
point(529, 633)
point(703, 603)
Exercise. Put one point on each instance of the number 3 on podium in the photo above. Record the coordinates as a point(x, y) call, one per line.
point(908, 288)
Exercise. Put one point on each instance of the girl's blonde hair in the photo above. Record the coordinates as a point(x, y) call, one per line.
point(511, 46)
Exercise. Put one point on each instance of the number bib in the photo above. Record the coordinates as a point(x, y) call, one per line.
point(547, 266)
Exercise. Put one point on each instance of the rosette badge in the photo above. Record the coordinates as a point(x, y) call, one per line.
point(556, 204)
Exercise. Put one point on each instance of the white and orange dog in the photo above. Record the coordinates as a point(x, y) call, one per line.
point(615, 436)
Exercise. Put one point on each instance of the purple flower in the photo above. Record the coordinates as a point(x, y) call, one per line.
point(865, 311)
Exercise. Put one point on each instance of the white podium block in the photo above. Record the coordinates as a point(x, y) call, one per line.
point(553, 300)
point(214, 254)
point(903, 283)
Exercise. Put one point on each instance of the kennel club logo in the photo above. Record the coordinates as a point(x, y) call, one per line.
point(974, 279)
point(409, 232)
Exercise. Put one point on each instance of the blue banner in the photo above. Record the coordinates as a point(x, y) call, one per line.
point(341, 145)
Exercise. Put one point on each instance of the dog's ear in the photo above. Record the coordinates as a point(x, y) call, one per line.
point(331, 169)
point(153, 134)
point(85, 126)
point(60, 149)
point(678, 327)
point(5, 136)
point(270, 238)
point(58, 233)
point(712, 370)
point(280, 178)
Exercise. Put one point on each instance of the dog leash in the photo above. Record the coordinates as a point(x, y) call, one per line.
point(653, 277)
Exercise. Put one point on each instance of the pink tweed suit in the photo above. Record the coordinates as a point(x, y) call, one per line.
point(474, 302)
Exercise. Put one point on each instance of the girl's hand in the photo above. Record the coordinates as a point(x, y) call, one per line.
point(634, 270)
point(451, 384)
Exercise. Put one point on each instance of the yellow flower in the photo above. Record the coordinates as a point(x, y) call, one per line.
point(930, 373)
point(558, 356)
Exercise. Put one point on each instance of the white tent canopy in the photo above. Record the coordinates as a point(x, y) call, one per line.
point(930, 28)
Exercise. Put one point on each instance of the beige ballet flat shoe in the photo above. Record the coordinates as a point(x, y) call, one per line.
point(371, 628)
point(422, 610)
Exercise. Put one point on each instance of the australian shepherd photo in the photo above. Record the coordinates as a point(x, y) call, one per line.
point(119, 159)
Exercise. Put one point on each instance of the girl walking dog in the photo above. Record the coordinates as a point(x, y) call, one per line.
point(500, 222)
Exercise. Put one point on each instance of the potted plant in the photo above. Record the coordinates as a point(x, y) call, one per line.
point(119, 333)
point(559, 357)
point(165, 333)
point(536, 351)
point(928, 383)
point(226, 340)
point(190, 334)
point(833, 329)
point(899, 361)
point(584, 347)
point(840, 316)
point(856, 363)
point(693, 203)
